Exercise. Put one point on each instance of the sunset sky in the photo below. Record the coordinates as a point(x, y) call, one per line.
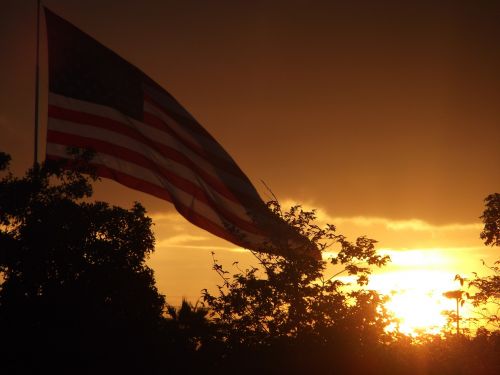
point(383, 115)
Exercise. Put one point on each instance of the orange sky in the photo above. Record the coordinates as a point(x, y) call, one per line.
point(385, 117)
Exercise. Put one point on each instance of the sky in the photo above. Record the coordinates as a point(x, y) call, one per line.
point(382, 115)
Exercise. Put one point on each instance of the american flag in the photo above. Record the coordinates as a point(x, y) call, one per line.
point(144, 139)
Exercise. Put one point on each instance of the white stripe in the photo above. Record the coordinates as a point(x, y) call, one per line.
point(155, 135)
point(186, 134)
point(167, 100)
point(164, 102)
point(153, 156)
point(145, 174)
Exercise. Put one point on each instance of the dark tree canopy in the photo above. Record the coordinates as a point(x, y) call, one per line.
point(75, 288)
point(491, 220)
point(486, 289)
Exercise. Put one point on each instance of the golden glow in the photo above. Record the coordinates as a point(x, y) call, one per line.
point(418, 312)
point(415, 278)
point(416, 298)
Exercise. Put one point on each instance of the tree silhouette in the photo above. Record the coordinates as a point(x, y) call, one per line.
point(267, 315)
point(485, 290)
point(191, 326)
point(491, 220)
point(488, 296)
point(486, 300)
point(75, 291)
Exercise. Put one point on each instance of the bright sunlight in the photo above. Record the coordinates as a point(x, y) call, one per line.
point(416, 298)
point(419, 311)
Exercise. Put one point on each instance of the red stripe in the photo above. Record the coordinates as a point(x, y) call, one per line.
point(169, 152)
point(152, 120)
point(187, 122)
point(148, 188)
point(194, 128)
point(90, 118)
point(138, 159)
point(124, 179)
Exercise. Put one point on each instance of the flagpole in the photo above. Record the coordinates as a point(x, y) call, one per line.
point(37, 79)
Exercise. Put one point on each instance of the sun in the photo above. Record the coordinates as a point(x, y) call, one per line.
point(418, 311)
point(416, 299)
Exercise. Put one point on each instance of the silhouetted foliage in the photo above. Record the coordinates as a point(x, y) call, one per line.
point(267, 315)
point(77, 297)
point(485, 290)
point(191, 325)
point(482, 292)
point(4, 160)
point(76, 292)
point(491, 220)
point(298, 315)
point(486, 298)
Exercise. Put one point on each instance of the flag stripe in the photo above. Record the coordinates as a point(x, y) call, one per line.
point(155, 119)
point(229, 211)
point(155, 95)
point(200, 141)
point(77, 123)
point(84, 113)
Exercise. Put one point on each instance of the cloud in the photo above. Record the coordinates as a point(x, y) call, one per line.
point(395, 225)
point(402, 234)
point(416, 225)
point(179, 239)
point(433, 257)
point(410, 242)
point(172, 216)
point(186, 241)
point(174, 231)
point(210, 247)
